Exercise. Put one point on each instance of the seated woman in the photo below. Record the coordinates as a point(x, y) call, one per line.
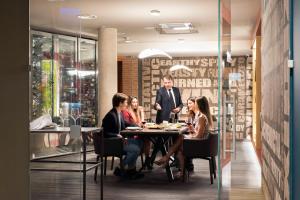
point(193, 117)
point(134, 114)
point(112, 124)
point(203, 124)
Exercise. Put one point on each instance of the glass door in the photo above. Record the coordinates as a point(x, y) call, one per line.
point(67, 89)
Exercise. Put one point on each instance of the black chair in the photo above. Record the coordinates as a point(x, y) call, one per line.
point(203, 148)
point(113, 160)
point(111, 147)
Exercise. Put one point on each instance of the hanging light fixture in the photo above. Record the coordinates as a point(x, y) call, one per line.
point(153, 52)
point(177, 67)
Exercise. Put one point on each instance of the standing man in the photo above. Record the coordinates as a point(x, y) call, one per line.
point(168, 101)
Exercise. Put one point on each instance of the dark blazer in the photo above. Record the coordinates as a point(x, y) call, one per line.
point(110, 124)
point(163, 99)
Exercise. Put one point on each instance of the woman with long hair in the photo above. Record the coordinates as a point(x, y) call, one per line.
point(135, 115)
point(136, 110)
point(203, 124)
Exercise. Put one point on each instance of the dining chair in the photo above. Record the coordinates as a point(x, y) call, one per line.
point(111, 147)
point(204, 149)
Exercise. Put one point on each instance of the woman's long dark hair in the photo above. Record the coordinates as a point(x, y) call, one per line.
point(203, 106)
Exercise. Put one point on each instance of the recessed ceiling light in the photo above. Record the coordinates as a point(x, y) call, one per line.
point(128, 41)
point(180, 40)
point(155, 12)
point(87, 16)
point(121, 33)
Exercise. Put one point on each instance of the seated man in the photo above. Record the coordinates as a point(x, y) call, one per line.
point(112, 124)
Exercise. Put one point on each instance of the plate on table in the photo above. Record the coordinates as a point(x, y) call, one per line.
point(171, 129)
point(133, 128)
point(155, 126)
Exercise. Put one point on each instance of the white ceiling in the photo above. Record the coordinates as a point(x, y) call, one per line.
point(132, 16)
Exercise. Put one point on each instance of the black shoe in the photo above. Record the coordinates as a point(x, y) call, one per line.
point(148, 163)
point(189, 164)
point(118, 172)
point(132, 174)
point(136, 176)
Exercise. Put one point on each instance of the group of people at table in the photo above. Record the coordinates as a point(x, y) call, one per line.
point(127, 112)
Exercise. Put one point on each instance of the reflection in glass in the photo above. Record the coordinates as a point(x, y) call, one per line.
point(41, 74)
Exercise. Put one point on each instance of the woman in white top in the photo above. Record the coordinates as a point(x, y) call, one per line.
point(203, 124)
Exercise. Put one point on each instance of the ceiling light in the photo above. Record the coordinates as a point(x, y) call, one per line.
point(186, 26)
point(153, 52)
point(176, 28)
point(180, 40)
point(127, 40)
point(149, 27)
point(87, 16)
point(155, 12)
point(177, 67)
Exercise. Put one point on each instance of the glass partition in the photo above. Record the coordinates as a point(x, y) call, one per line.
point(64, 88)
point(42, 73)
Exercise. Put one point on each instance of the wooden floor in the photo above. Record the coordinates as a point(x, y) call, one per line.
point(241, 183)
point(242, 176)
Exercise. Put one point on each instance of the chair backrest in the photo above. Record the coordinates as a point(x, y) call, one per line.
point(111, 146)
point(97, 141)
point(213, 144)
point(201, 148)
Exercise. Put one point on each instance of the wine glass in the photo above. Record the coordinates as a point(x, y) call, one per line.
point(189, 121)
point(143, 124)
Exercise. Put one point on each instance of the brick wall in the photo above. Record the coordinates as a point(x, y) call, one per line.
point(275, 99)
point(129, 75)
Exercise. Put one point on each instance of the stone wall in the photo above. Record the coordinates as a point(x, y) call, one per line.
point(275, 99)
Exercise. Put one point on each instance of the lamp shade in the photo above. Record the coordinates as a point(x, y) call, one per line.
point(153, 52)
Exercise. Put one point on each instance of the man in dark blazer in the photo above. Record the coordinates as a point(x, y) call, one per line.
point(112, 124)
point(168, 101)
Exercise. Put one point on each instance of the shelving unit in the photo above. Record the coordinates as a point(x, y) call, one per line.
point(64, 78)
